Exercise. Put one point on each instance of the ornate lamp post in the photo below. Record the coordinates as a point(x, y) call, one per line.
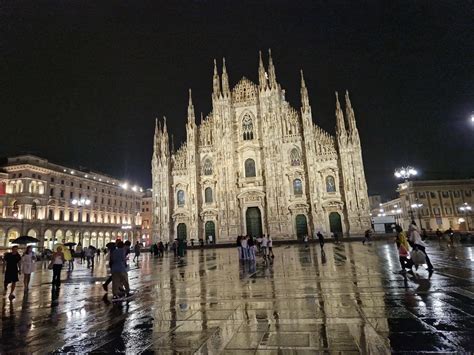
point(405, 172)
point(466, 209)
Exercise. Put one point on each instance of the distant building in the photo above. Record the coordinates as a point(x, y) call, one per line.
point(433, 204)
point(374, 202)
point(147, 218)
point(255, 165)
point(58, 204)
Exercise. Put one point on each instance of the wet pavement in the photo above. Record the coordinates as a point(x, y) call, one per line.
point(348, 300)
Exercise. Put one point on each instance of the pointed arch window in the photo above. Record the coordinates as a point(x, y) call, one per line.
point(208, 195)
point(330, 184)
point(297, 187)
point(250, 170)
point(207, 167)
point(295, 157)
point(180, 198)
point(247, 127)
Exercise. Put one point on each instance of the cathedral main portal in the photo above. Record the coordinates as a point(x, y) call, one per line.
point(253, 218)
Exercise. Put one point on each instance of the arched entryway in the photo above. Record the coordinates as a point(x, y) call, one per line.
point(335, 224)
point(253, 218)
point(210, 229)
point(301, 226)
point(181, 231)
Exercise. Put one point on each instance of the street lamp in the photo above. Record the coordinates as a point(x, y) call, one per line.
point(416, 207)
point(466, 208)
point(405, 172)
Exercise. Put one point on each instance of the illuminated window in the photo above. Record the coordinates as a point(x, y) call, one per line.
point(297, 187)
point(180, 198)
point(247, 127)
point(330, 184)
point(208, 195)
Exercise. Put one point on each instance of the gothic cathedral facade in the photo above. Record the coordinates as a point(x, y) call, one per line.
point(255, 165)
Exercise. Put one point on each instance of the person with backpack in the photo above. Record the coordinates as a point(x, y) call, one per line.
point(417, 243)
point(12, 261)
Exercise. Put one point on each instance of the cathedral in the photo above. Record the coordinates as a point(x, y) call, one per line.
point(255, 165)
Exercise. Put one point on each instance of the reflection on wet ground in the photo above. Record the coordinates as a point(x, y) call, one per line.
point(348, 300)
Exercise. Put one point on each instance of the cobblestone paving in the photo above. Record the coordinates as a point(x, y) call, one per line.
point(349, 300)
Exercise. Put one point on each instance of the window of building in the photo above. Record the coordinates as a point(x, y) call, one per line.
point(467, 193)
point(62, 182)
point(208, 195)
point(71, 195)
point(61, 215)
point(52, 179)
point(50, 215)
point(80, 186)
point(20, 175)
point(71, 216)
point(250, 170)
point(39, 177)
point(448, 210)
point(330, 184)
point(72, 183)
point(295, 157)
point(433, 194)
point(456, 193)
point(420, 195)
point(247, 127)
point(180, 198)
point(445, 194)
point(297, 187)
point(207, 167)
point(61, 193)
point(33, 175)
point(51, 192)
point(88, 217)
point(102, 200)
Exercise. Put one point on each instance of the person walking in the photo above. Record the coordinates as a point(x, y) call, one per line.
point(418, 244)
point(111, 247)
point(244, 245)
point(321, 239)
point(306, 240)
point(57, 261)
point(367, 234)
point(27, 266)
point(264, 246)
point(137, 251)
point(87, 255)
point(403, 253)
point(120, 286)
point(270, 247)
point(12, 269)
point(79, 251)
point(252, 248)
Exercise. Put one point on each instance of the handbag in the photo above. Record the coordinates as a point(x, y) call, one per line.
point(50, 265)
point(418, 257)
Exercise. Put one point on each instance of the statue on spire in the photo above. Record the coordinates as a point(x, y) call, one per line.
point(271, 71)
point(225, 80)
point(262, 75)
point(216, 82)
point(350, 116)
point(191, 117)
point(304, 93)
point(340, 124)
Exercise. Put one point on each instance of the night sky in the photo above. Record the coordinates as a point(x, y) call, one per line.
point(81, 82)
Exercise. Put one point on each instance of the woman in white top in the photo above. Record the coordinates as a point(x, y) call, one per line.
point(27, 266)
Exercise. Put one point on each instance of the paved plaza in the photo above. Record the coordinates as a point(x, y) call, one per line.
point(349, 300)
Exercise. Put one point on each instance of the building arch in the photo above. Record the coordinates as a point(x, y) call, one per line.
point(297, 187)
point(32, 232)
point(295, 157)
point(180, 198)
point(250, 169)
point(207, 167)
point(86, 240)
point(69, 236)
point(330, 184)
point(48, 239)
point(335, 223)
point(181, 231)
point(247, 127)
point(301, 224)
point(208, 196)
point(12, 233)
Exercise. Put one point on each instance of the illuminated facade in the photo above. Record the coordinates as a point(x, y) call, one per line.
point(435, 204)
point(54, 204)
point(255, 165)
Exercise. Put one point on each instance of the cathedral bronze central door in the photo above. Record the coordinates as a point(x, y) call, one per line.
point(253, 219)
point(301, 226)
point(181, 231)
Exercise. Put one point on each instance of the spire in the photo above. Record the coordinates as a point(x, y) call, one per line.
point(350, 116)
point(225, 80)
point(215, 82)
point(202, 118)
point(340, 125)
point(156, 138)
point(304, 94)
point(262, 75)
point(165, 128)
point(191, 117)
point(271, 71)
point(172, 143)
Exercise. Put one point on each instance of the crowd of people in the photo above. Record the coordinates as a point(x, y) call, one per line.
point(249, 247)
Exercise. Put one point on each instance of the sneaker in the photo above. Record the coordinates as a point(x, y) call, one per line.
point(104, 286)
